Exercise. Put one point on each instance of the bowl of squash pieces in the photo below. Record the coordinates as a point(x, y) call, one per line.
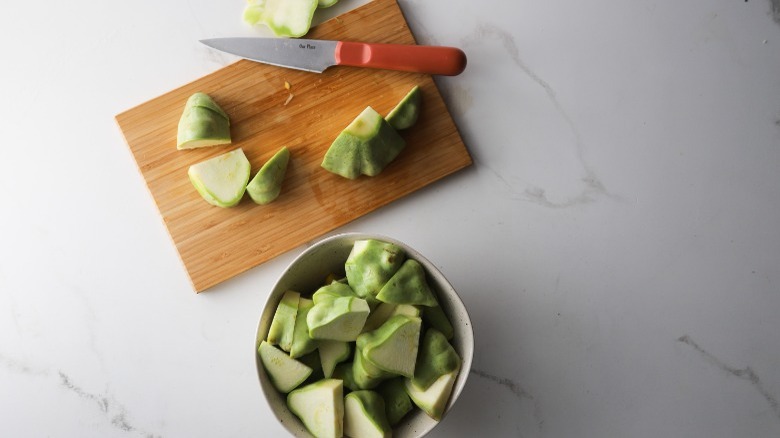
point(362, 336)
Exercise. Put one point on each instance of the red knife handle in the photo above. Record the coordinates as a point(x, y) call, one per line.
point(435, 60)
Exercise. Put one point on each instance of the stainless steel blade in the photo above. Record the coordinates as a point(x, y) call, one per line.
point(301, 54)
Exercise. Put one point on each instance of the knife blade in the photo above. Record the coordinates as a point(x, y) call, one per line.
point(318, 55)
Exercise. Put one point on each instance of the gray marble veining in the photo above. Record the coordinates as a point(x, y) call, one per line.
point(743, 373)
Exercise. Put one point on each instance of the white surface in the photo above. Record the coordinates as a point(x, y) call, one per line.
point(616, 241)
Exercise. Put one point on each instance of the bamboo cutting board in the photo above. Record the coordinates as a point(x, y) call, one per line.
point(215, 243)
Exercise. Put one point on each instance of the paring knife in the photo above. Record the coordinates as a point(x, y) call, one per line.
point(317, 55)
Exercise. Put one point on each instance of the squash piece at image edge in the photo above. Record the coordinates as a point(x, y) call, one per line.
point(326, 3)
point(285, 18)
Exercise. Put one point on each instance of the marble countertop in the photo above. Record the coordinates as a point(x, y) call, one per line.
point(616, 240)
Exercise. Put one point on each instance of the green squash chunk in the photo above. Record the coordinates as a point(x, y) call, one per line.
point(283, 323)
point(221, 180)
point(393, 346)
point(312, 360)
point(365, 374)
point(385, 311)
point(253, 12)
point(326, 3)
point(366, 146)
point(436, 318)
point(331, 353)
point(436, 357)
point(343, 371)
point(202, 123)
point(408, 286)
point(397, 401)
point(405, 114)
point(337, 319)
point(364, 415)
point(286, 18)
point(267, 183)
point(284, 372)
point(320, 406)
point(370, 264)
point(302, 343)
point(434, 399)
point(333, 290)
point(205, 101)
point(330, 278)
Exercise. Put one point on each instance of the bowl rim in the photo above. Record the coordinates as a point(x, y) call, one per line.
point(430, 268)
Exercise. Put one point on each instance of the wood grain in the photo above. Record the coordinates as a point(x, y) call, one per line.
point(216, 244)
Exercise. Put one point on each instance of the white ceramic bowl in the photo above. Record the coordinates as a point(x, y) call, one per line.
point(306, 274)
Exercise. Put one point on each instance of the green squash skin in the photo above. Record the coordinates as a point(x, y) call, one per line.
point(370, 264)
point(302, 343)
point(285, 18)
point(343, 156)
point(365, 374)
point(276, 361)
point(397, 401)
point(344, 372)
point(408, 286)
point(283, 323)
point(381, 150)
point(433, 401)
point(385, 311)
point(373, 406)
point(312, 360)
point(327, 315)
point(435, 358)
point(205, 101)
point(199, 123)
point(333, 290)
point(253, 13)
point(436, 318)
point(332, 353)
point(406, 113)
point(202, 119)
point(366, 146)
point(267, 183)
point(372, 344)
